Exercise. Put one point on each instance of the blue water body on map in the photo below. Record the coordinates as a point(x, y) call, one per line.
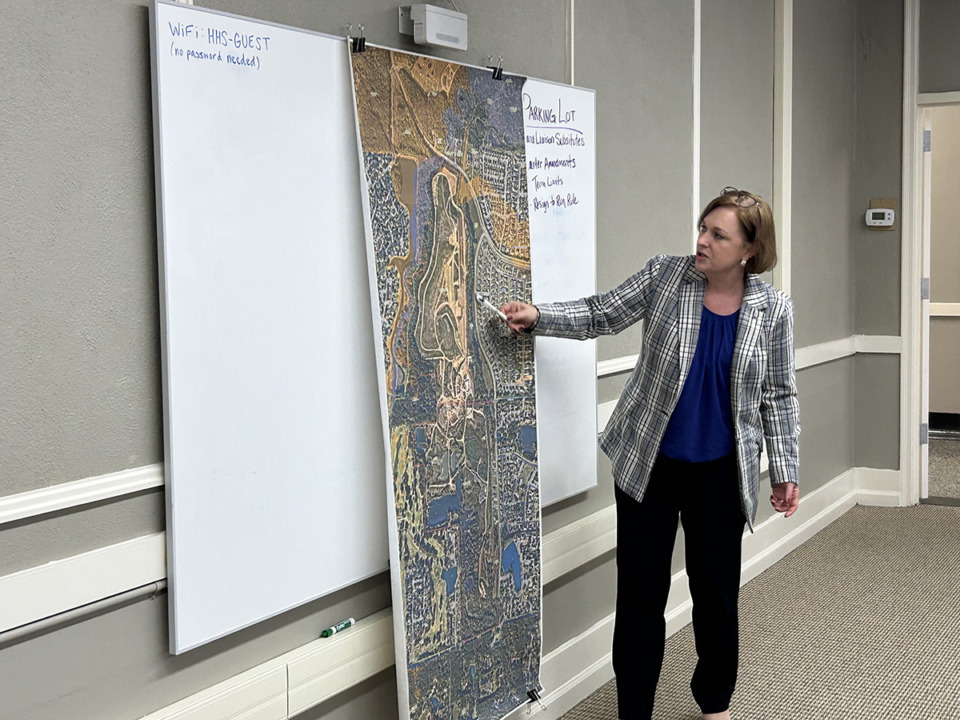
point(528, 439)
point(423, 204)
point(440, 508)
point(420, 441)
point(511, 562)
point(436, 704)
point(450, 576)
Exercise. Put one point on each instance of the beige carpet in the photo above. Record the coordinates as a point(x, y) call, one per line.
point(860, 623)
point(944, 467)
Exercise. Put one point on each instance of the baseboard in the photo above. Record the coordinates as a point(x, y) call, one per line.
point(879, 488)
point(324, 668)
point(258, 694)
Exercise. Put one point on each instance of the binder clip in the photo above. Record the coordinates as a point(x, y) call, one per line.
point(534, 696)
point(498, 70)
point(359, 44)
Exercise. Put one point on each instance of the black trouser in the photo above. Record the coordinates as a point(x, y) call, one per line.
point(706, 497)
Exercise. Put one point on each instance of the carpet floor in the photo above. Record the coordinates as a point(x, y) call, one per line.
point(944, 468)
point(862, 622)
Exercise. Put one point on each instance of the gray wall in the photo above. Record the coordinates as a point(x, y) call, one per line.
point(736, 97)
point(826, 414)
point(877, 411)
point(876, 254)
point(824, 134)
point(939, 50)
point(879, 101)
point(638, 57)
point(79, 350)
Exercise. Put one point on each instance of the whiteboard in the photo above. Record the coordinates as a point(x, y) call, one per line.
point(560, 132)
point(271, 413)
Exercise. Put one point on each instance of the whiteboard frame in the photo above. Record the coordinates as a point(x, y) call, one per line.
point(375, 558)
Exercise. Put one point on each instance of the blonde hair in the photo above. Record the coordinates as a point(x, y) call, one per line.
point(756, 222)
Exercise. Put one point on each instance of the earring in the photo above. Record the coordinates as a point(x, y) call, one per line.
point(743, 263)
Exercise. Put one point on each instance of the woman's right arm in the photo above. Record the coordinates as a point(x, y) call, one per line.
point(604, 314)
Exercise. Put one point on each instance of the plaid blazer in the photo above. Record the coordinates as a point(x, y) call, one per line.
point(668, 295)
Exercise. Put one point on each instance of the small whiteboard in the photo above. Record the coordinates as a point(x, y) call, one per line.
point(272, 428)
point(561, 141)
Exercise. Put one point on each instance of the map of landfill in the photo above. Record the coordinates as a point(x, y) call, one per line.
point(443, 153)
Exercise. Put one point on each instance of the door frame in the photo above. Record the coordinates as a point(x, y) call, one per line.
point(915, 264)
point(911, 264)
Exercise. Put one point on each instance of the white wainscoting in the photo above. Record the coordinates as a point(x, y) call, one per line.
point(323, 668)
point(64, 496)
point(605, 411)
point(576, 544)
point(806, 357)
point(79, 492)
point(107, 571)
point(62, 585)
point(563, 550)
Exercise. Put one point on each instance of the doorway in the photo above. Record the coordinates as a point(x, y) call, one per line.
point(940, 363)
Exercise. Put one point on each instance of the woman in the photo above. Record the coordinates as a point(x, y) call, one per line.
point(716, 373)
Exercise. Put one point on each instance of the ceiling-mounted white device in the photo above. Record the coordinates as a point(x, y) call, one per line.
point(880, 217)
point(432, 25)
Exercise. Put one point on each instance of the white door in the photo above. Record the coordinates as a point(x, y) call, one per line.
point(926, 123)
point(940, 307)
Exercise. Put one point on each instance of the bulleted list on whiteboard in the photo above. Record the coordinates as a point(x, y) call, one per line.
point(560, 147)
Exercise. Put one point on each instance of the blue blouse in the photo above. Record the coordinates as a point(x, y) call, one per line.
point(701, 427)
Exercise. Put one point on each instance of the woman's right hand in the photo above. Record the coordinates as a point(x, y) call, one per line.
point(520, 315)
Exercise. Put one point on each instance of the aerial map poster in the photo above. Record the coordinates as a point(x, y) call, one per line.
point(442, 146)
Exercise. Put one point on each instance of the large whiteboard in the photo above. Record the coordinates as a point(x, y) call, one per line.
point(272, 425)
point(560, 133)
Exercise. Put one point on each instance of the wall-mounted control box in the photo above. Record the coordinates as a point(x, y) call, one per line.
point(880, 217)
point(882, 214)
point(432, 25)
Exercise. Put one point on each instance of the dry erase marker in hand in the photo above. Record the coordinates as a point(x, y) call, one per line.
point(482, 300)
point(342, 625)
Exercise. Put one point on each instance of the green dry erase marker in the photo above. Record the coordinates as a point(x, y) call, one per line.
point(342, 625)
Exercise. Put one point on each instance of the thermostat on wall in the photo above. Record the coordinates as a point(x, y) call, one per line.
point(880, 217)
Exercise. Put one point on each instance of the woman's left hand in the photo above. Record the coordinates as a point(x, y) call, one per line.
point(785, 498)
